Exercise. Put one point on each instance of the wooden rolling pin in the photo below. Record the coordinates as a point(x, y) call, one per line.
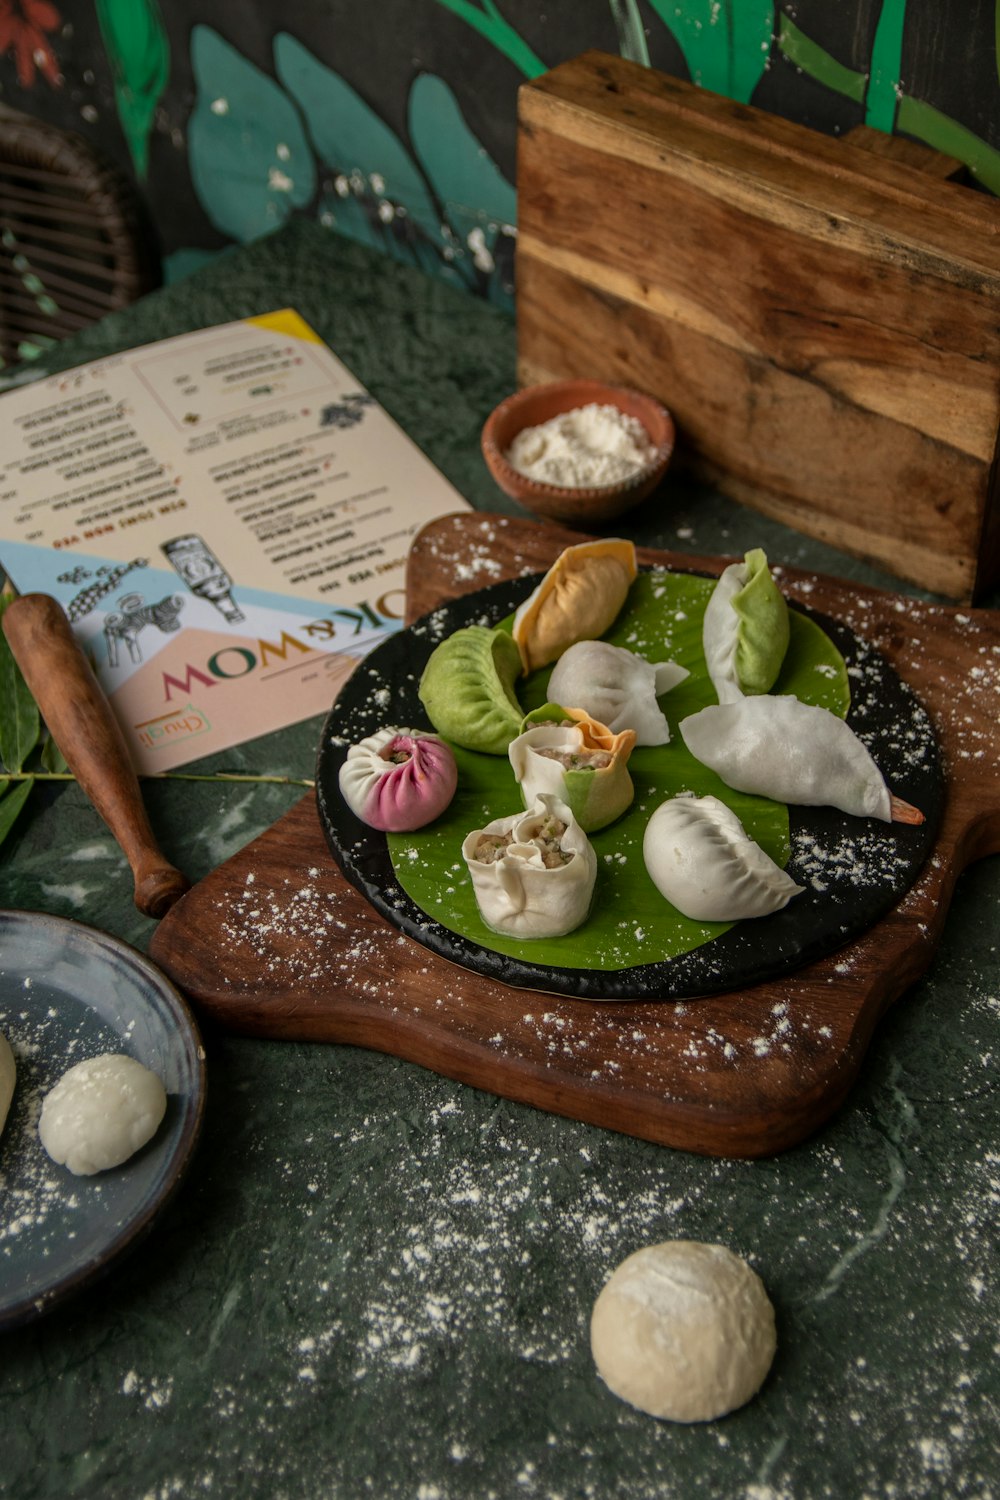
point(80, 721)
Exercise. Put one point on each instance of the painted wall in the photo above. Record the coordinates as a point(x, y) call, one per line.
point(394, 121)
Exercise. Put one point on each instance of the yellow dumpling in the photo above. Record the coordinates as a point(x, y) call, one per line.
point(577, 600)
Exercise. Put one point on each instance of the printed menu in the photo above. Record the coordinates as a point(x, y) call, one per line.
point(225, 518)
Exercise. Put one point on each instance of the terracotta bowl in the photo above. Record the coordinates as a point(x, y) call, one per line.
point(539, 403)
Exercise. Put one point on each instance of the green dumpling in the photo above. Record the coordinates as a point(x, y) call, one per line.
point(745, 632)
point(467, 688)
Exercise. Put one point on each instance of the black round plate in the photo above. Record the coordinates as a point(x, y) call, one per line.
point(854, 870)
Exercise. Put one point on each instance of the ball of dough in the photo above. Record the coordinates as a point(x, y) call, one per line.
point(8, 1075)
point(100, 1112)
point(684, 1331)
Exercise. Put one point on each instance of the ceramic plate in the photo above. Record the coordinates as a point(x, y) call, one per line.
point(634, 946)
point(68, 992)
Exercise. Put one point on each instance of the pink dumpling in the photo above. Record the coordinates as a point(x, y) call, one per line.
point(399, 779)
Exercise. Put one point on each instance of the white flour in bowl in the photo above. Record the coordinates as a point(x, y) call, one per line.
point(587, 447)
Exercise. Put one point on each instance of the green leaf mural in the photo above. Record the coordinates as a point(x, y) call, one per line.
point(817, 62)
point(479, 201)
point(139, 54)
point(261, 146)
point(487, 20)
point(350, 138)
point(929, 125)
point(251, 163)
point(443, 211)
point(910, 116)
point(726, 43)
point(886, 66)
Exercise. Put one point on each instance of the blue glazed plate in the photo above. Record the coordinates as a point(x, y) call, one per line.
point(67, 992)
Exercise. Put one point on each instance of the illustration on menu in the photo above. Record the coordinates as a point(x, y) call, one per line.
point(225, 518)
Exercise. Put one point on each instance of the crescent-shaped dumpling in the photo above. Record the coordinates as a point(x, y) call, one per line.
point(745, 630)
point(578, 599)
point(616, 687)
point(701, 859)
point(791, 751)
point(467, 688)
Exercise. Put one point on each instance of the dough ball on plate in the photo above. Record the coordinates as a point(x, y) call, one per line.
point(100, 1112)
point(683, 1330)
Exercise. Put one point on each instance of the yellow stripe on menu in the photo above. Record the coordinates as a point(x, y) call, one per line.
point(288, 322)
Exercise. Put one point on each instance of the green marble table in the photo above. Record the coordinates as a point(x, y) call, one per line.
point(376, 1282)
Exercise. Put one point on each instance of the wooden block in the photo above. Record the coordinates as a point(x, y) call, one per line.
point(821, 319)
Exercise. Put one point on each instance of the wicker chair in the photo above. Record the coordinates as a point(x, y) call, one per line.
point(73, 239)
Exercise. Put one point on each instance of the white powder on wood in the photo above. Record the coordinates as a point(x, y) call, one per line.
point(589, 446)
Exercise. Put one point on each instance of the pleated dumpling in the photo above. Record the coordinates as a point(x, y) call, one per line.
point(398, 779)
point(467, 688)
point(745, 630)
point(701, 859)
point(570, 755)
point(616, 687)
point(791, 751)
point(532, 873)
point(578, 599)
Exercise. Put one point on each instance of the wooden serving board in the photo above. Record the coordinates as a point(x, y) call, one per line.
point(276, 943)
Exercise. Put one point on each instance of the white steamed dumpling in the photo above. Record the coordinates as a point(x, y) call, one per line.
point(791, 751)
point(616, 687)
point(701, 859)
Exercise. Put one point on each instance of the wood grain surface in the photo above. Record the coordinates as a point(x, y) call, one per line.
point(80, 721)
point(275, 943)
point(820, 318)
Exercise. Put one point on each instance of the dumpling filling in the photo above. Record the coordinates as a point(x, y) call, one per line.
point(566, 753)
point(532, 873)
point(577, 760)
point(492, 846)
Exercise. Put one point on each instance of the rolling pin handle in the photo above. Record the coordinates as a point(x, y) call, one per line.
point(80, 721)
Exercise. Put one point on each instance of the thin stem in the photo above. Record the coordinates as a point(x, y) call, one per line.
point(884, 89)
point(491, 25)
point(11, 776)
point(631, 36)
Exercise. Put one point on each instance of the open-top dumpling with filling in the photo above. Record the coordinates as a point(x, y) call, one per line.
point(745, 630)
point(701, 859)
point(578, 599)
point(779, 747)
point(532, 873)
point(567, 753)
point(467, 688)
point(617, 687)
